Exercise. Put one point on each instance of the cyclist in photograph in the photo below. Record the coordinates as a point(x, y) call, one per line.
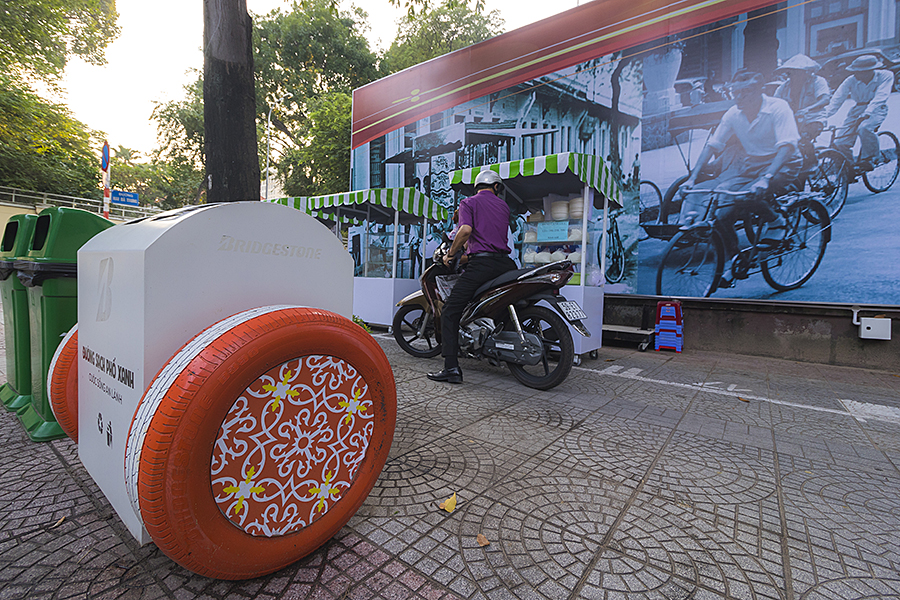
point(807, 94)
point(756, 143)
point(868, 87)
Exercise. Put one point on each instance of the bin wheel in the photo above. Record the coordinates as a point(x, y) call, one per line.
point(62, 384)
point(260, 439)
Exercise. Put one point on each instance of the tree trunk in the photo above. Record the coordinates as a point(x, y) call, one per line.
point(229, 102)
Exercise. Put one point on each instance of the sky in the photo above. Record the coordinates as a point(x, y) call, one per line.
point(159, 52)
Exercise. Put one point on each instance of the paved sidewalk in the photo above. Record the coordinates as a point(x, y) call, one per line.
point(645, 475)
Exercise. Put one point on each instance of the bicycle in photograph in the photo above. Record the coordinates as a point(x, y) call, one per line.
point(615, 251)
point(694, 260)
point(825, 171)
point(881, 174)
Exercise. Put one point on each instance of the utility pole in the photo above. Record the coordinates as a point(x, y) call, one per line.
point(229, 102)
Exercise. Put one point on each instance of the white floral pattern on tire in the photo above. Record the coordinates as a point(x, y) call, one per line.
point(291, 444)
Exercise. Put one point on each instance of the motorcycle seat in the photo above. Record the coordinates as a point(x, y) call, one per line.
point(507, 277)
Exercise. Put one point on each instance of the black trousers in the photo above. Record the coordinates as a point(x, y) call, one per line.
point(479, 270)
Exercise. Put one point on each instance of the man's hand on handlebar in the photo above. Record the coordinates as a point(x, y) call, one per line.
point(452, 262)
point(760, 186)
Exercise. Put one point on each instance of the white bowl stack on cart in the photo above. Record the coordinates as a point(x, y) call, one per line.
point(546, 188)
point(227, 406)
point(377, 286)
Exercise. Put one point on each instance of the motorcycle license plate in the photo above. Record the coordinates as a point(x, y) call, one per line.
point(571, 310)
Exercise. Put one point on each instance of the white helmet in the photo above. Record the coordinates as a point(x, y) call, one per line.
point(488, 178)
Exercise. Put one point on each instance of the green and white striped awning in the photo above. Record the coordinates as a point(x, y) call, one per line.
point(408, 200)
point(298, 203)
point(590, 169)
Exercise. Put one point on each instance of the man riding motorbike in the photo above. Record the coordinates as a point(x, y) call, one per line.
point(484, 225)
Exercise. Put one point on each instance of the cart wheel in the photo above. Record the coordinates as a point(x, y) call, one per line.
point(644, 345)
point(577, 360)
point(594, 354)
point(260, 439)
point(62, 384)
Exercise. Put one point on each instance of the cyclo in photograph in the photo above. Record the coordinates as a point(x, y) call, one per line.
point(694, 260)
point(502, 323)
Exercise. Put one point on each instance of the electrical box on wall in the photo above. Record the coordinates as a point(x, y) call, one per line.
point(875, 328)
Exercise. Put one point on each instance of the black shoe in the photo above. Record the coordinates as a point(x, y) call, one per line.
point(864, 165)
point(452, 375)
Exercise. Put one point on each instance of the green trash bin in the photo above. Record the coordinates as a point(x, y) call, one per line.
point(15, 394)
point(49, 273)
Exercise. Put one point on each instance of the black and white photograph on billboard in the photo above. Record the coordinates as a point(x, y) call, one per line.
point(770, 157)
point(570, 110)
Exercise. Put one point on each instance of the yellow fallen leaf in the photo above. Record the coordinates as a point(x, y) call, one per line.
point(743, 399)
point(449, 504)
point(58, 523)
point(482, 541)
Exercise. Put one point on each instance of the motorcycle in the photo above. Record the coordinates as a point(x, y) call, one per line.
point(503, 323)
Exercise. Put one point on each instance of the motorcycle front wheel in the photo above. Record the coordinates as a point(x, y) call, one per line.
point(406, 326)
point(559, 350)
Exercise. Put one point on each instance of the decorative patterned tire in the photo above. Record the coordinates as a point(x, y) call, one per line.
point(260, 439)
point(62, 384)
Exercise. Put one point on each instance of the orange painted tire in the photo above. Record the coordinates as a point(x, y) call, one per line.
point(260, 439)
point(62, 384)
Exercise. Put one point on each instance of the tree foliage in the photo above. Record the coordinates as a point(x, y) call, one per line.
point(42, 147)
point(414, 7)
point(323, 164)
point(37, 37)
point(307, 62)
point(179, 159)
point(312, 49)
point(432, 33)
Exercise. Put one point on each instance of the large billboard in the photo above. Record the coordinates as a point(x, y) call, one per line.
point(655, 90)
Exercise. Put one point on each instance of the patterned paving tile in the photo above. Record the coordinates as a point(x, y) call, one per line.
point(664, 545)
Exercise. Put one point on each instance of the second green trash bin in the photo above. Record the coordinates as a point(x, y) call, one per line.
point(49, 272)
point(15, 394)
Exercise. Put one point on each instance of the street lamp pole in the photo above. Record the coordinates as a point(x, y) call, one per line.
point(268, 143)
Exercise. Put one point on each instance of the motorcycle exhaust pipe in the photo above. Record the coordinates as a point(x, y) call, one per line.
point(518, 326)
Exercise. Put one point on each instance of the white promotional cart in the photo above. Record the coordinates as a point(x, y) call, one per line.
point(543, 186)
point(210, 340)
point(386, 268)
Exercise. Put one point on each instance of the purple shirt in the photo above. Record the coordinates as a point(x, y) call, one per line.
point(488, 216)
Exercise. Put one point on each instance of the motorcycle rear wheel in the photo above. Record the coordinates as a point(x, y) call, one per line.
point(559, 350)
point(406, 332)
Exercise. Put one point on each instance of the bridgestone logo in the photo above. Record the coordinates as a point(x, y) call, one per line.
point(230, 244)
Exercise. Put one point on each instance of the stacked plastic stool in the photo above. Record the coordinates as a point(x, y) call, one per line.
point(669, 333)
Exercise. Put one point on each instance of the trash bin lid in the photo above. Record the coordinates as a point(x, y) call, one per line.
point(60, 231)
point(17, 236)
